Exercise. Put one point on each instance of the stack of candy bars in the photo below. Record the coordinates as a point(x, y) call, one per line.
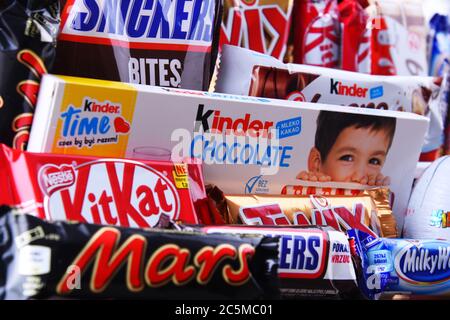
point(207, 149)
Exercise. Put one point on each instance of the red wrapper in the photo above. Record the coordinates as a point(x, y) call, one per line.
point(121, 192)
point(261, 26)
point(316, 33)
point(355, 41)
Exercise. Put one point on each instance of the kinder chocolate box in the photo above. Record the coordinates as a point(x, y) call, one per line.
point(247, 72)
point(247, 144)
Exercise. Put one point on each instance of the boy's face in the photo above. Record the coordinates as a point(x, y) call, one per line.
point(357, 153)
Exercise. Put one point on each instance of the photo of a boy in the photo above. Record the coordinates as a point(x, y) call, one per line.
point(350, 147)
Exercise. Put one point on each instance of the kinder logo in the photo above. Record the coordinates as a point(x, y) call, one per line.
point(53, 178)
point(425, 264)
point(213, 121)
point(92, 105)
point(93, 117)
point(112, 192)
point(184, 20)
point(336, 87)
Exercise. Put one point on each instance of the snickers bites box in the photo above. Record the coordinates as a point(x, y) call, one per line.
point(246, 144)
point(161, 43)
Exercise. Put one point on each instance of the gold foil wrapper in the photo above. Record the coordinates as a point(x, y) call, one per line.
point(369, 211)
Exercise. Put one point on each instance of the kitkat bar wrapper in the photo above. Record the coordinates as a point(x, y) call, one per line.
point(162, 43)
point(398, 37)
point(28, 31)
point(121, 192)
point(314, 262)
point(42, 260)
point(246, 73)
point(355, 44)
point(260, 25)
point(316, 33)
point(369, 211)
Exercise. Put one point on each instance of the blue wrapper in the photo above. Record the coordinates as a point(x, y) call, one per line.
point(439, 44)
point(416, 267)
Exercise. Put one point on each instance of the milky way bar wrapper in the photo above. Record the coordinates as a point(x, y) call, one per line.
point(246, 23)
point(28, 31)
point(42, 260)
point(314, 262)
point(416, 267)
point(246, 73)
point(162, 43)
point(369, 211)
point(107, 191)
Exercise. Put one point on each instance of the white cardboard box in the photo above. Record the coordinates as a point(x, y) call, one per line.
point(110, 119)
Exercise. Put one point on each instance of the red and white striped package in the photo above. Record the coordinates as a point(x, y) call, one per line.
point(110, 191)
point(316, 33)
point(261, 26)
point(355, 45)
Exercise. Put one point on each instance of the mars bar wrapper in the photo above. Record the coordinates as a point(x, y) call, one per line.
point(42, 260)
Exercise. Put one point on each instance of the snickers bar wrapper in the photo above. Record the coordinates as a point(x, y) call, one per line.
point(162, 43)
point(266, 142)
point(41, 260)
point(109, 191)
point(246, 23)
point(247, 73)
point(313, 262)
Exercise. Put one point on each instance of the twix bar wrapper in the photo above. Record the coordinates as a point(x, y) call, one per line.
point(260, 25)
point(369, 211)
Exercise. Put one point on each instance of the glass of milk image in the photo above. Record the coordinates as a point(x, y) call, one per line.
point(152, 153)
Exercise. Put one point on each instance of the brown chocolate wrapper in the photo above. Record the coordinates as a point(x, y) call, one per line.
point(370, 211)
point(278, 83)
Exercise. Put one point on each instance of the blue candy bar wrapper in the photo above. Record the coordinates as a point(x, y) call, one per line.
point(439, 44)
point(404, 266)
